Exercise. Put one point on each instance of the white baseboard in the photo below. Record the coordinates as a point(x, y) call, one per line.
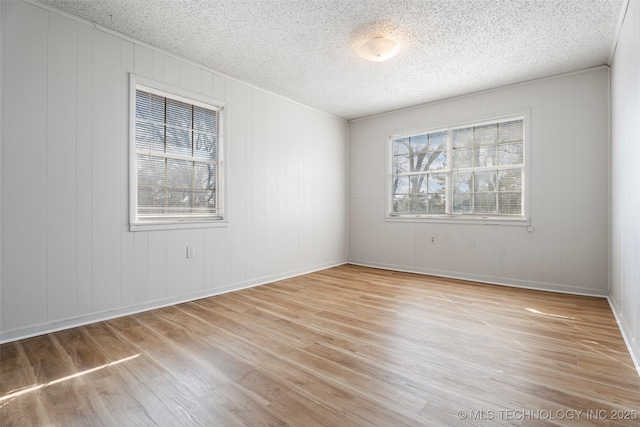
point(633, 352)
point(48, 327)
point(515, 283)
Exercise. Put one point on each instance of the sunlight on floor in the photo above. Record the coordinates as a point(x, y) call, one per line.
point(69, 377)
point(533, 310)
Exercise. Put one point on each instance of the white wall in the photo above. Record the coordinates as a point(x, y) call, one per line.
point(568, 249)
point(625, 179)
point(67, 254)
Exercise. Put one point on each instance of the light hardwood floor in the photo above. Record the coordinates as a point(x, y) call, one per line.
point(347, 346)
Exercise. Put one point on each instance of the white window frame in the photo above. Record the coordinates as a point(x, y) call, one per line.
point(516, 220)
point(165, 90)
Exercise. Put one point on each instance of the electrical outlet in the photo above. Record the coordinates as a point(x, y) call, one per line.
point(432, 239)
point(189, 251)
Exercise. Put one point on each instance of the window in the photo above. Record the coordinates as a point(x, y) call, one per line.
point(473, 171)
point(175, 157)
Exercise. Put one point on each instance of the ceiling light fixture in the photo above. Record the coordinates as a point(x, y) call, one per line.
point(378, 49)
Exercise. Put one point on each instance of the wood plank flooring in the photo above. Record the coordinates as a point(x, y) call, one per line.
point(347, 346)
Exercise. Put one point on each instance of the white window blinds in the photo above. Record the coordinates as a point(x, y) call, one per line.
point(176, 147)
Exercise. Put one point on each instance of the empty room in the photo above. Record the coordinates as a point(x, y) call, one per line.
point(303, 213)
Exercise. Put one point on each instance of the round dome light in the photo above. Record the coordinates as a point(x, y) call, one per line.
point(378, 49)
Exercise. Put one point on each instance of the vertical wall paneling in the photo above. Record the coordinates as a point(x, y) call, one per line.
point(143, 61)
point(291, 164)
point(107, 106)
point(625, 179)
point(238, 177)
point(219, 87)
point(207, 83)
point(158, 66)
point(258, 187)
point(157, 265)
point(196, 264)
point(141, 262)
point(84, 170)
point(568, 147)
point(249, 193)
point(24, 156)
point(171, 72)
point(281, 194)
point(177, 262)
point(127, 244)
point(67, 253)
point(61, 179)
point(271, 185)
point(548, 224)
point(190, 77)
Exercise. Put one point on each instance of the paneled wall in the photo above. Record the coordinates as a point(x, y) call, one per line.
point(68, 256)
point(568, 247)
point(625, 178)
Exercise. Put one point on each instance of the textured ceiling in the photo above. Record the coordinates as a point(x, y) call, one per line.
point(305, 49)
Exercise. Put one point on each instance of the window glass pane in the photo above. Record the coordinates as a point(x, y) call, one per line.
point(510, 180)
point(179, 201)
point(511, 154)
point(436, 160)
point(462, 182)
point(179, 174)
point(486, 156)
point(401, 185)
point(143, 105)
point(486, 134)
point(419, 143)
point(511, 131)
point(485, 181)
point(420, 162)
point(418, 203)
point(462, 137)
point(401, 204)
point(149, 107)
point(437, 182)
point(151, 171)
point(401, 164)
point(178, 114)
point(463, 158)
point(204, 146)
point(510, 203)
point(157, 138)
point(143, 134)
point(462, 203)
point(204, 199)
point(205, 177)
point(438, 141)
point(179, 141)
point(436, 203)
point(484, 203)
point(417, 182)
point(401, 146)
point(204, 120)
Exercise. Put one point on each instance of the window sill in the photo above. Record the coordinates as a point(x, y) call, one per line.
point(460, 219)
point(177, 225)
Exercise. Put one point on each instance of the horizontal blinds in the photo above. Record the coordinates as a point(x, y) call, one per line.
point(176, 158)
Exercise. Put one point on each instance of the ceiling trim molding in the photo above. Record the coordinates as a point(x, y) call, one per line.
point(173, 55)
point(616, 35)
point(481, 92)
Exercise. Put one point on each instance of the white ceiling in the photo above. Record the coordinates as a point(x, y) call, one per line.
point(305, 49)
